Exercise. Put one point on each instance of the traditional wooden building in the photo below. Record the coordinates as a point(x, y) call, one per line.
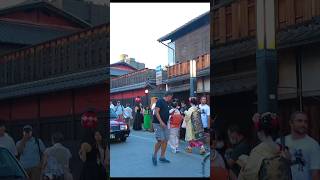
point(94, 12)
point(233, 59)
point(33, 23)
point(129, 86)
point(51, 83)
point(188, 42)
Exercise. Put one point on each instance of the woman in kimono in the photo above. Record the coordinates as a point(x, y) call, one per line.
point(147, 118)
point(267, 126)
point(190, 133)
point(138, 119)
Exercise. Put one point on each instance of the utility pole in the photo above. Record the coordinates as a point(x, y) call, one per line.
point(193, 77)
point(266, 57)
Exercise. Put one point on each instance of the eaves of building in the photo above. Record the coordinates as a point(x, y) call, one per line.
point(149, 83)
point(70, 81)
point(294, 36)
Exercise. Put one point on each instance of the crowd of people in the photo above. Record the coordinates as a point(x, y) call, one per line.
point(170, 119)
point(52, 163)
point(270, 155)
point(137, 117)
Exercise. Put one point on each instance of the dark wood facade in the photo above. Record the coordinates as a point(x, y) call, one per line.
point(50, 85)
point(127, 87)
point(234, 20)
point(133, 78)
point(82, 51)
point(233, 48)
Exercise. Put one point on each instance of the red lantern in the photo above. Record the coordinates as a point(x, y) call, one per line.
point(89, 120)
point(138, 100)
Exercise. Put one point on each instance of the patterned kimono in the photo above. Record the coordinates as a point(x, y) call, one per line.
point(253, 163)
point(190, 134)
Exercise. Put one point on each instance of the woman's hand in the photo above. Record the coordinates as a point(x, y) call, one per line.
point(286, 154)
point(256, 117)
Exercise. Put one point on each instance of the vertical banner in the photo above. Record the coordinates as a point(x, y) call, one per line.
point(158, 75)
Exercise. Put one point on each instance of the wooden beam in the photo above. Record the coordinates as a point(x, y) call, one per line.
point(222, 24)
point(235, 20)
point(244, 18)
point(307, 14)
point(316, 6)
point(291, 15)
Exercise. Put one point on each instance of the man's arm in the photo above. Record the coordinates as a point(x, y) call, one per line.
point(20, 146)
point(44, 161)
point(42, 146)
point(13, 147)
point(158, 117)
point(83, 151)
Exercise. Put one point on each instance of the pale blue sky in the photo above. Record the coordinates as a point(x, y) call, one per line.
point(135, 28)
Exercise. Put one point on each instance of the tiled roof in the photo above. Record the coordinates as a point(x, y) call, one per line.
point(27, 34)
point(124, 64)
point(306, 33)
point(70, 81)
point(149, 83)
point(49, 7)
point(195, 23)
point(118, 72)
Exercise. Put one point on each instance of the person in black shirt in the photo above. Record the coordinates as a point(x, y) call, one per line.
point(159, 122)
point(240, 145)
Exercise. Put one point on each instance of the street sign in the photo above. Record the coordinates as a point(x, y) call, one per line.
point(158, 75)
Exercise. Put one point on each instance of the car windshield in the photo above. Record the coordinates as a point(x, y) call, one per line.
point(9, 167)
point(112, 114)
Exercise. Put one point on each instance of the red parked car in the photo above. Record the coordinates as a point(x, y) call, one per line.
point(119, 129)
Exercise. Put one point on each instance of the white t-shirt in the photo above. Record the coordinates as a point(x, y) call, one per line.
point(118, 109)
point(111, 106)
point(306, 149)
point(153, 108)
point(127, 112)
point(58, 159)
point(205, 114)
point(7, 142)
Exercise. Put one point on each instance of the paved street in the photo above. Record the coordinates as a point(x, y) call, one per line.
point(133, 159)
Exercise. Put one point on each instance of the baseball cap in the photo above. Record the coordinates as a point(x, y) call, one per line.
point(27, 128)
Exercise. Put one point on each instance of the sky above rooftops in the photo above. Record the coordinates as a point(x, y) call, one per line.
point(135, 28)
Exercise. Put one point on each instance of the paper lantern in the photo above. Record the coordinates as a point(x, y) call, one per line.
point(137, 100)
point(89, 120)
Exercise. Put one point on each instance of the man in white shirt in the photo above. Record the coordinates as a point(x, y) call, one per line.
point(111, 105)
point(56, 158)
point(304, 150)
point(119, 109)
point(6, 141)
point(205, 113)
point(127, 114)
